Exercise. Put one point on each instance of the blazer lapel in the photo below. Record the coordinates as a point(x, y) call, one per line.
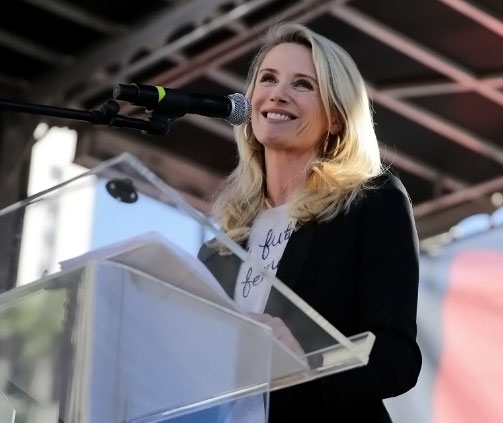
point(289, 272)
point(290, 268)
point(295, 255)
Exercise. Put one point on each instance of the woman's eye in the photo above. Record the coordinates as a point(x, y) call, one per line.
point(267, 78)
point(303, 84)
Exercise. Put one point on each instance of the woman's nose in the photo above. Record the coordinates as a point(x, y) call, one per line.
point(279, 94)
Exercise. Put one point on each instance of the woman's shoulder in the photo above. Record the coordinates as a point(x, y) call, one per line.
point(383, 191)
point(386, 181)
point(385, 185)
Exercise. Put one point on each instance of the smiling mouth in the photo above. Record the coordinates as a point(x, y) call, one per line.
point(277, 116)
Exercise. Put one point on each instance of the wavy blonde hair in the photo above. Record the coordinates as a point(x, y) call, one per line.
point(345, 161)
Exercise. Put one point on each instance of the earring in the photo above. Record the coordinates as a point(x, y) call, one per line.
point(325, 145)
point(337, 145)
point(248, 137)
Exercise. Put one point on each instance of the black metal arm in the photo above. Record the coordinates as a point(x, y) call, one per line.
point(157, 123)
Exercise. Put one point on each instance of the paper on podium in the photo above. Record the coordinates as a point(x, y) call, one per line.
point(156, 256)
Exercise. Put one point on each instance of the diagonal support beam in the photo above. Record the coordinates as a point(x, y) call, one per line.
point(439, 125)
point(475, 13)
point(80, 16)
point(436, 88)
point(418, 52)
point(456, 198)
point(36, 51)
point(422, 170)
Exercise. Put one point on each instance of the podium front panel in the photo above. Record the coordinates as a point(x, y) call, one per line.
point(116, 345)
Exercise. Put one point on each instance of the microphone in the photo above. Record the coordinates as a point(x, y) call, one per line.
point(234, 108)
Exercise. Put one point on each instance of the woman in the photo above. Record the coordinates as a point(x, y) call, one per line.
point(310, 178)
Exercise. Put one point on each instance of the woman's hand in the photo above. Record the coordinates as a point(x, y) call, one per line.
point(280, 331)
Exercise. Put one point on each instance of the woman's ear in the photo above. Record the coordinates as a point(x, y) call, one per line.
point(335, 127)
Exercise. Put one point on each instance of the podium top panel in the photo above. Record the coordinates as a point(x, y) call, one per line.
point(122, 211)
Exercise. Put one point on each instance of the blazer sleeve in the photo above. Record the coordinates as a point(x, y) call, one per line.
point(387, 289)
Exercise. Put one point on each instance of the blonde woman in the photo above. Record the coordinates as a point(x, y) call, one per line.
point(310, 200)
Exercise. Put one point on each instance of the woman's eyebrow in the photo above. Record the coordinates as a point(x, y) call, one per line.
point(297, 75)
point(268, 70)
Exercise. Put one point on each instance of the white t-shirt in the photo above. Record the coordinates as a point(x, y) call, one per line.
point(266, 243)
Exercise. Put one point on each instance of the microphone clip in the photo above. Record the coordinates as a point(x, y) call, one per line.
point(160, 122)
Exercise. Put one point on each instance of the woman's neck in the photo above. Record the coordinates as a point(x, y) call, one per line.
point(284, 173)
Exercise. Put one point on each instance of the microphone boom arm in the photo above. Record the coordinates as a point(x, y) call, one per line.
point(157, 124)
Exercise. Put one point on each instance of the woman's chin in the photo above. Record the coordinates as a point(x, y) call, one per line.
point(276, 143)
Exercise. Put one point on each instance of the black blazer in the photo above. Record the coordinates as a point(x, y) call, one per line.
point(359, 271)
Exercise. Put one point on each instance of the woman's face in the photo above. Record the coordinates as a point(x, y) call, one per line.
point(287, 110)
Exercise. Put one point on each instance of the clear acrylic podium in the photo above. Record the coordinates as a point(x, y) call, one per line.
point(114, 319)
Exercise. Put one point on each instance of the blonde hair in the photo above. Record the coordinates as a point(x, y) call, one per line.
point(345, 162)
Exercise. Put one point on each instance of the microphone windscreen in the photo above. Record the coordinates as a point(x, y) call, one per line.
point(241, 109)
